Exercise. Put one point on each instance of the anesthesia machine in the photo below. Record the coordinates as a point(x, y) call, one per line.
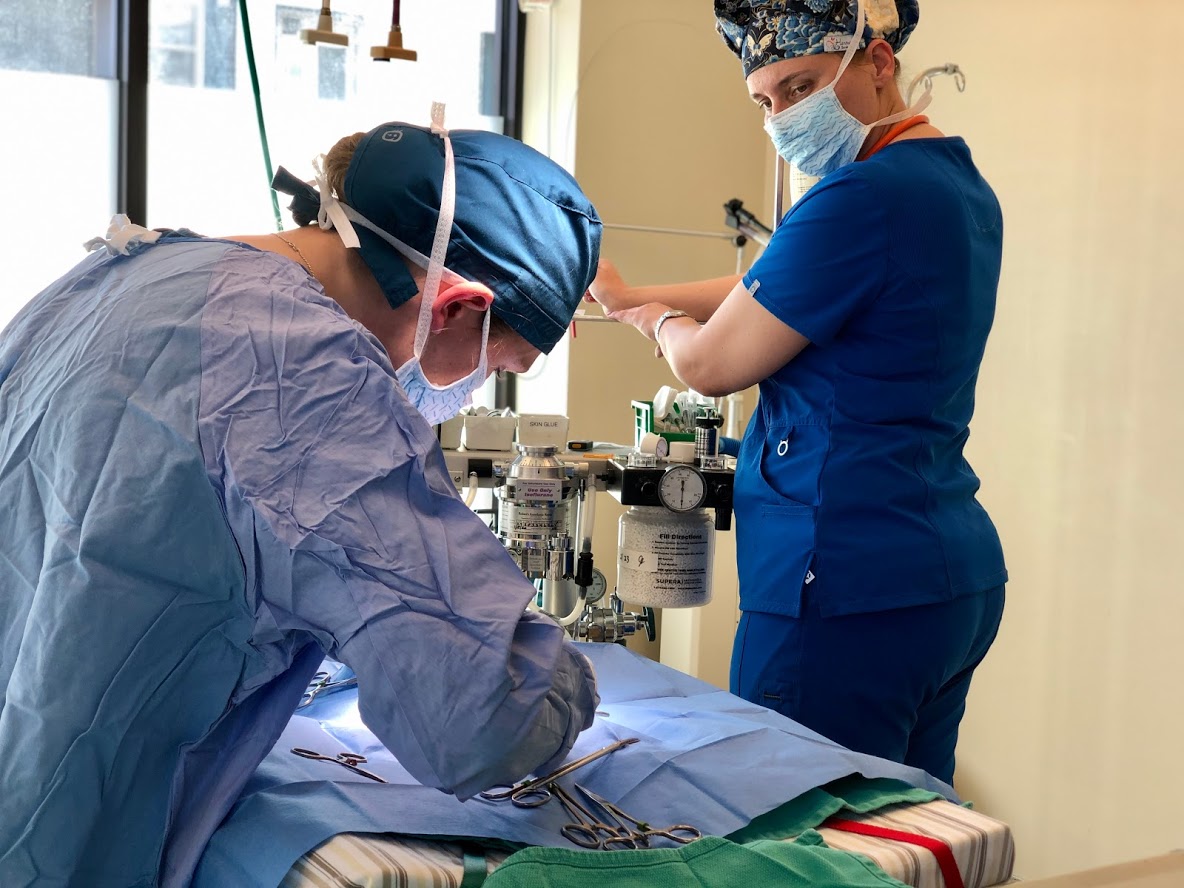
point(544, 495)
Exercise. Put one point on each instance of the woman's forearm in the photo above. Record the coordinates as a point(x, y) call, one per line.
point(699, 299)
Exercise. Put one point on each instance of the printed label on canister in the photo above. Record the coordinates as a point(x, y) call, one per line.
point(665, 565)
point(519, 520)
point(538, 490)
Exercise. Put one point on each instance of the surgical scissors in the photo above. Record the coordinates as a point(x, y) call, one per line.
point(349, 760)
point(322, 683)
point(637, 835)
point(535, 792)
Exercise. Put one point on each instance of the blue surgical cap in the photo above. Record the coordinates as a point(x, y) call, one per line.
point(523, 227)
point(760, 32)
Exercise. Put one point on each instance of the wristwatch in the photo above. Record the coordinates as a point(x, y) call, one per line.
point(664, 317)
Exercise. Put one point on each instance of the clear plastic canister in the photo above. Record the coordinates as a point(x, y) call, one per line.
point(664, 558)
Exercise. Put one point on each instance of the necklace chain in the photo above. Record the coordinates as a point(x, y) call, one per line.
point(295, 249)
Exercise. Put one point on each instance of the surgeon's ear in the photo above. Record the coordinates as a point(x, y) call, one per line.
point(452, 303)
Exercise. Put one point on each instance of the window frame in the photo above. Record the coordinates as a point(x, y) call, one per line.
point(122, 36)
point(132, 50)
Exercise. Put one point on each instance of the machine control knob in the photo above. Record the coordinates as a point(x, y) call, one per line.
point(649, 620)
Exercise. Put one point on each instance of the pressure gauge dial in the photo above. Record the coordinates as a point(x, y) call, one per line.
point(597, 588)
point(682, 489)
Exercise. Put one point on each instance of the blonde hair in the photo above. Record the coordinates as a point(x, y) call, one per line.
point(336, 165)
point(338, 159)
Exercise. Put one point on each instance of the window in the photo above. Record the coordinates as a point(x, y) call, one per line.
point(321, 70)
point(193, 43)
point(62, 37)
point(59, 101)
point(176, 38)
point(206, 167)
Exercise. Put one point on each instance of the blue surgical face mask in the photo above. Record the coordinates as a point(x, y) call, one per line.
point(438, 403)
point(818, 135)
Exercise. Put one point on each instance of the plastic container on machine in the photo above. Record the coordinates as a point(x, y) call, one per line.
point(665, 558)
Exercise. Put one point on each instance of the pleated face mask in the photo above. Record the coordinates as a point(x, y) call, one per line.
point(437, 403)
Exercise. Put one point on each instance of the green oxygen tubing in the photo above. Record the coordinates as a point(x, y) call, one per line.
point(250, 47)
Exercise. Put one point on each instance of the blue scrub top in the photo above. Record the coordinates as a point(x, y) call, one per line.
point(852, 481)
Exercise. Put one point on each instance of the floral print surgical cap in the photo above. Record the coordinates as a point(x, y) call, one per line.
point(763, 31)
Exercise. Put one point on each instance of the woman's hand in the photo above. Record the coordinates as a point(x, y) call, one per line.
point(643, 317)
point(610, 290)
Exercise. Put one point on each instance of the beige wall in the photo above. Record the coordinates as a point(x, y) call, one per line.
point(1076, 720)
point(659, 143)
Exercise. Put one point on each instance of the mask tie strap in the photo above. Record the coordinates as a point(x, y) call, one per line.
point(431, 288)
point(331, 215)
point(407, 251)
point(921, 104)
point(856, 39)
point(483, 364)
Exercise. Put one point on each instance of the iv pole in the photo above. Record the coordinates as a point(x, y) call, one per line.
point(778, 192)
point(747, 226)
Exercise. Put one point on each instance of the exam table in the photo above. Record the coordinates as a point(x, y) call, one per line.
point(786, 799)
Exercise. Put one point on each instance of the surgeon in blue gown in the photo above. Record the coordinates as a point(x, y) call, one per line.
point(217, 466)
point(871, 577)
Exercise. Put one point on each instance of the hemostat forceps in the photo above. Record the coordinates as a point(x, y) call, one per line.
point(630, 832)
point(585, 830)
point(322, 684)
point(349, 760)
point(534, 792)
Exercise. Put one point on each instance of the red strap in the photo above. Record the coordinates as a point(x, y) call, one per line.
point(945, 857)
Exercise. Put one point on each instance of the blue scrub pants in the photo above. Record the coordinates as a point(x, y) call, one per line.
point(891, 684)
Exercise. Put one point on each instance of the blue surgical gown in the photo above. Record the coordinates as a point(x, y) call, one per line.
point(210, 481)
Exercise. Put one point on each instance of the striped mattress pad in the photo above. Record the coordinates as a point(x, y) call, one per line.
point(982, 847)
